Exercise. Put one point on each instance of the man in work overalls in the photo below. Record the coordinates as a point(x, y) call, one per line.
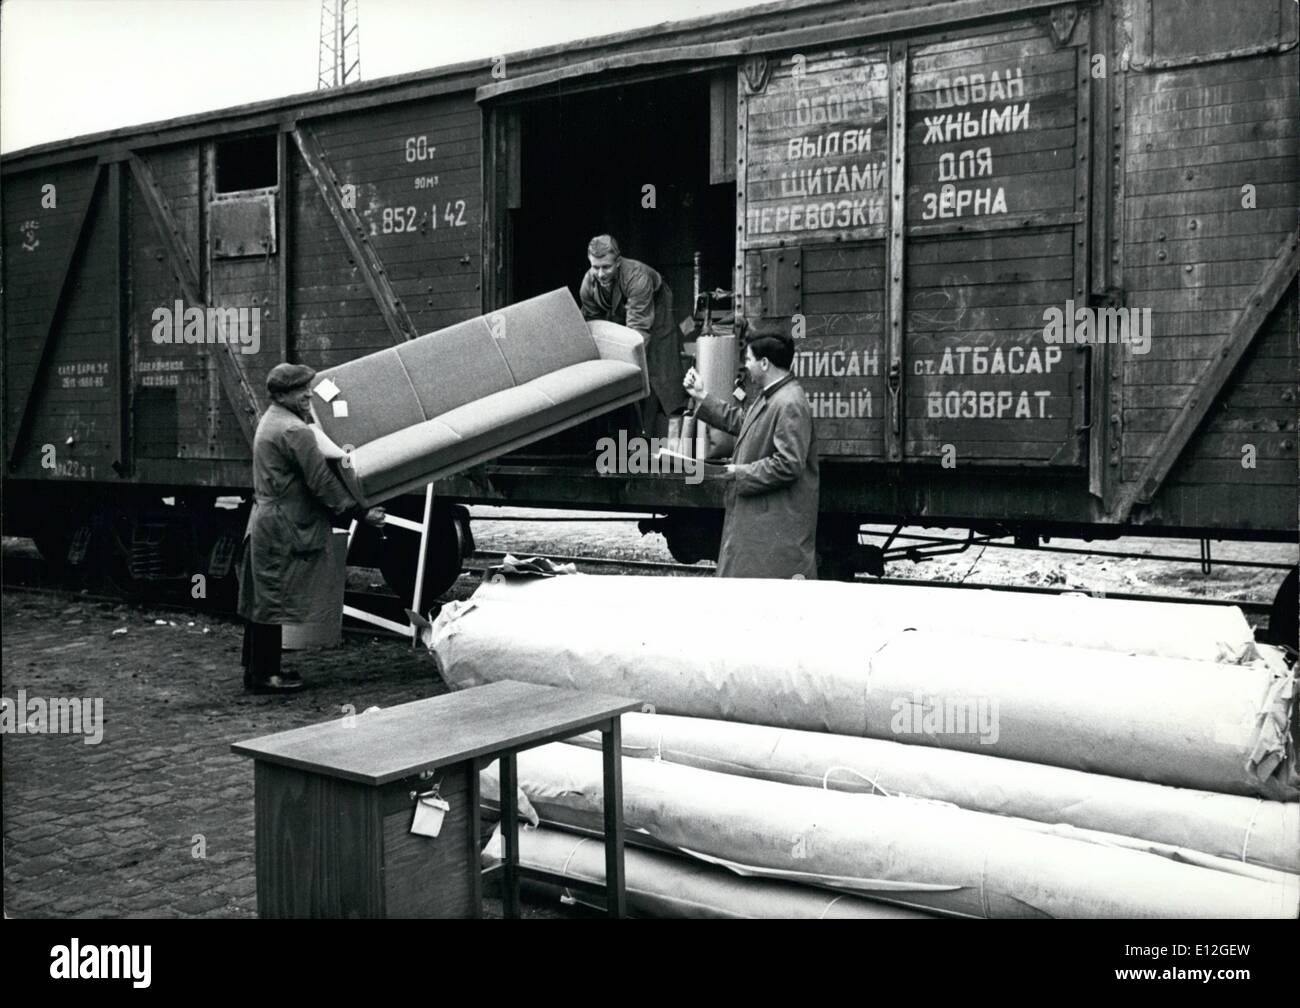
point(632, 294)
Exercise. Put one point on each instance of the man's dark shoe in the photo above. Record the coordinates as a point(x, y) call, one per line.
point(277, 684)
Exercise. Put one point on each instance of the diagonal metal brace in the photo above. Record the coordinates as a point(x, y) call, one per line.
point(1247, 327)
point(355, 237)
point(76, 251)
point(233, 382)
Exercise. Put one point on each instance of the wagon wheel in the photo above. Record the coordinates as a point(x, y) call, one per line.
point(450, 541)
point(1283, 618)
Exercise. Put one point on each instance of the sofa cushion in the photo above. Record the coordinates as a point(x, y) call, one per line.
point(542, 334)
point(589, 384)
point(485, 424)
point(502, 417)
point(379, 396)
point(454, 366)
point(401, 456)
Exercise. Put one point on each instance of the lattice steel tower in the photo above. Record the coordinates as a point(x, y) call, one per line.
point(339, 59)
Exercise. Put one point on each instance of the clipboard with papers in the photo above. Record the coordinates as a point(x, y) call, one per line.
point(688, 463)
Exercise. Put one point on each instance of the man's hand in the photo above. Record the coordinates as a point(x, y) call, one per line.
point(693, 386)
point(375, 516)
point(729, 472)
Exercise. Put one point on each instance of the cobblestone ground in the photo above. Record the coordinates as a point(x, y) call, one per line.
point(114, 829)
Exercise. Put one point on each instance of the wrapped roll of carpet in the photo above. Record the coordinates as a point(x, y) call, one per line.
point(664, 885)
point(1170, 721)
point(1265, 833)
point(908, 851)
point(716, 359)
point(1171, 630)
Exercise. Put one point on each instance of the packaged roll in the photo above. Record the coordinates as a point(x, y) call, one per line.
point(1170, 721)
point(1265, 833)
point(1203, 632)
point(717, 358)
point(917, 853)
point(659, 884)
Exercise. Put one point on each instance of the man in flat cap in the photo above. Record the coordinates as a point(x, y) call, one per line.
point(630, 293)
point(287, 543)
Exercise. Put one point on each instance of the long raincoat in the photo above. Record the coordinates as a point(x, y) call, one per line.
point(286, 544)
point(770, 528)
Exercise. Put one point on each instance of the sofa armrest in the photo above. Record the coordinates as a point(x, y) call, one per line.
point(619, 343)
point(328, 448)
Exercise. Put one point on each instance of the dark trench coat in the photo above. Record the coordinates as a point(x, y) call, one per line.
point(286, 544)
point(770, 528)
point(642, 301)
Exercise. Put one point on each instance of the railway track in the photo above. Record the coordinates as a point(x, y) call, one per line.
point(29, 574)
point(689, 569)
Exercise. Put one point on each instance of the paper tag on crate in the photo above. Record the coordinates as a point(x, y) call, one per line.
point(429, 813)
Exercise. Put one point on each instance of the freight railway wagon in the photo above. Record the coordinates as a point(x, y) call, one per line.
point(1039, 260)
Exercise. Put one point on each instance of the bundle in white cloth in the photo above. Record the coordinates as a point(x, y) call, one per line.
point(717, 359)
point(664, 885)
point(1170, 721)
point(1265, 833)
point(805, 608)
point(908, 851)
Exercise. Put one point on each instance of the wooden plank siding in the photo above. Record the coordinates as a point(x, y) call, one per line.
point(992, 127)
point(75, 397)
point(1160, 226)
point(1193, 255)
point(179, 409)
point(417, 171)
point(37, 241)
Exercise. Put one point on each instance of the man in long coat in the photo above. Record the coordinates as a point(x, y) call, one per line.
point(630, 293)
point(287, 542)
point(770, 528)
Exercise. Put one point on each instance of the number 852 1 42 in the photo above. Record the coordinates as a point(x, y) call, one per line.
point(396, 220)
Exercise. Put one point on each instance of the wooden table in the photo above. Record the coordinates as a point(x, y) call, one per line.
point(334, 802)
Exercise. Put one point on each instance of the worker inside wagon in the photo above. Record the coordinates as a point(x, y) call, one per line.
point(287, 542)
point(771, 496)
point(630, 293)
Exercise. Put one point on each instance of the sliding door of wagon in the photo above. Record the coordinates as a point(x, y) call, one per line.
point(995, 215)
point(813, 199)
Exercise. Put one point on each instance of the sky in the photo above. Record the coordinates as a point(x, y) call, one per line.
point(71, 67)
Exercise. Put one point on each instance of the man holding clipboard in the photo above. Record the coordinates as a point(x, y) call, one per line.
point(770, 528)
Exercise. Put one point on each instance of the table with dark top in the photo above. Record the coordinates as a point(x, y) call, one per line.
point(334, 802)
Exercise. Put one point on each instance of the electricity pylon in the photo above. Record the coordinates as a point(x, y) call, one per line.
point(339, 59)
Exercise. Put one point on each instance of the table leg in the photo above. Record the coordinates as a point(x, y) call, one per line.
point(475, 858)
point(510, 832)
point(612, 750)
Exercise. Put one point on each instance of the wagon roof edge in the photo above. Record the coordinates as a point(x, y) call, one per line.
point(647, 37)
point(795, 18)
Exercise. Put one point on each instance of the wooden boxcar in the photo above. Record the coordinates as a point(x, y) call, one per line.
point(1039, 259)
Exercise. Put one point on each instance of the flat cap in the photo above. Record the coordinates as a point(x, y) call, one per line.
point(287, 377)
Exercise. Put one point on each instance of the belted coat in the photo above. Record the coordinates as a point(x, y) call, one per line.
point(287, 541)
point(640, 300)
point(770, 527)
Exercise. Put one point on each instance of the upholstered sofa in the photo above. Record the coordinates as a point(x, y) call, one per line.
point(444, 402)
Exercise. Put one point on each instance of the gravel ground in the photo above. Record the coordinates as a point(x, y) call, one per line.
point(507, 529)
